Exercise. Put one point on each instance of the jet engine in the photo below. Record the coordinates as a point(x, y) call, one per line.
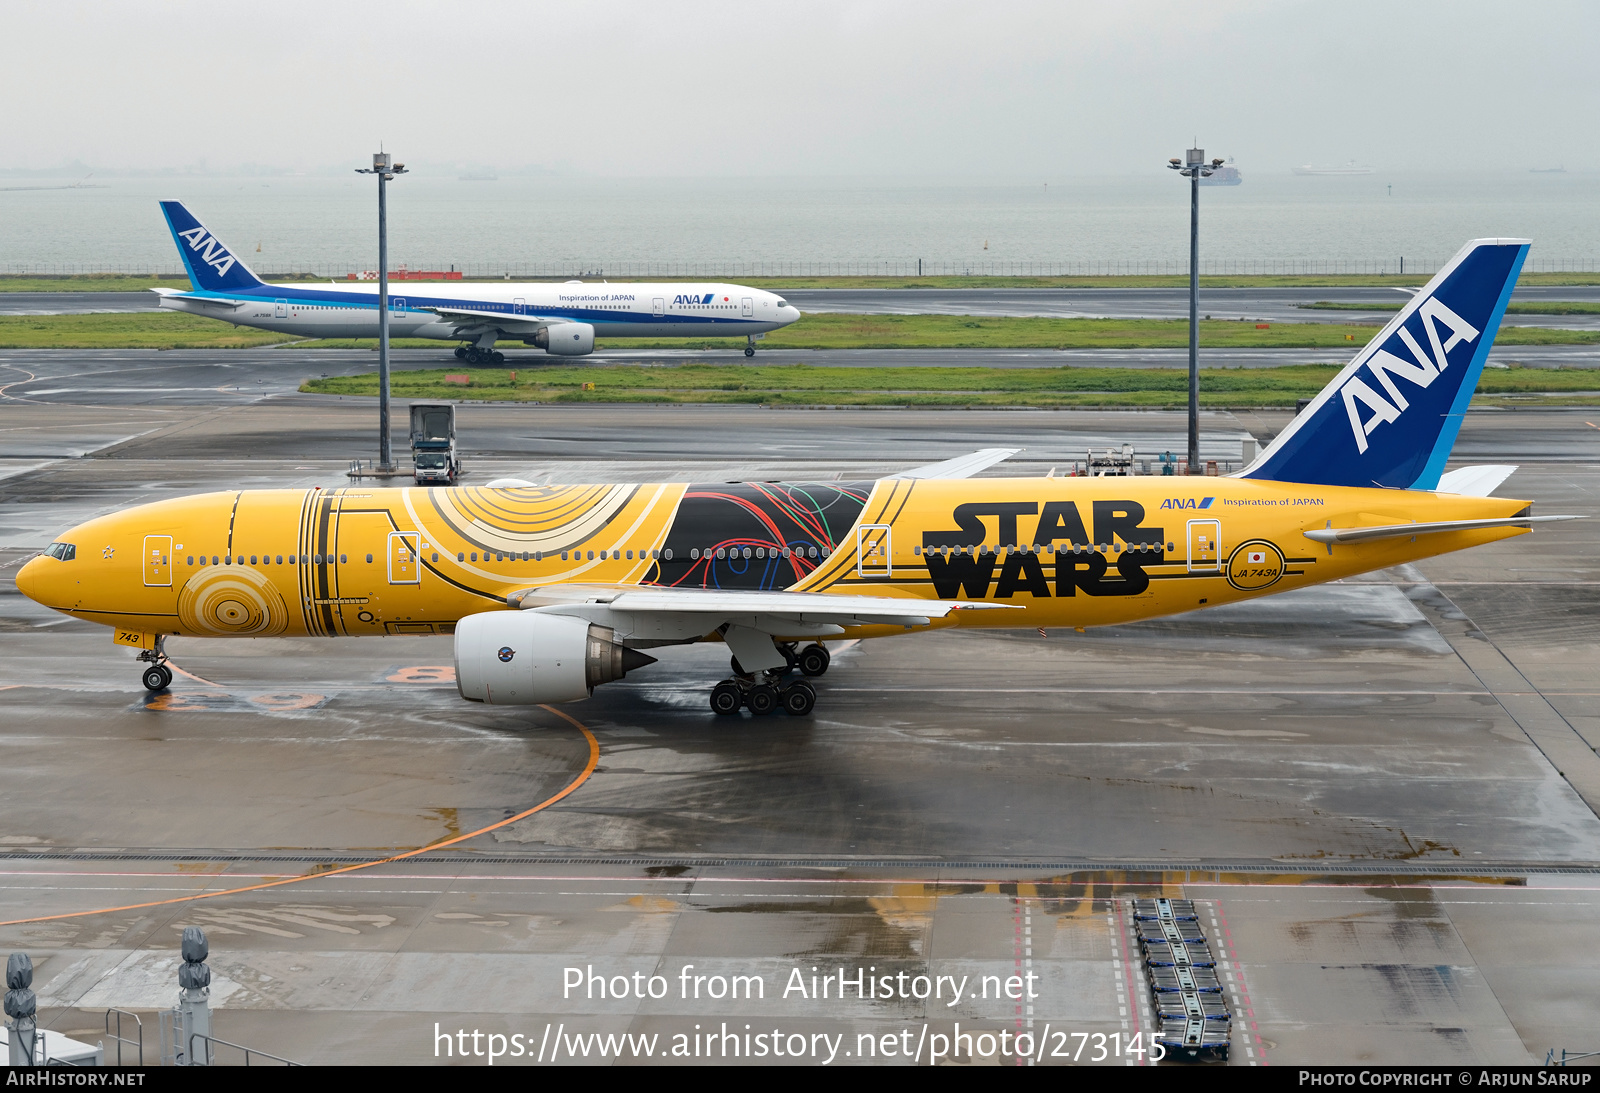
point(522, 658)
point(565, 339)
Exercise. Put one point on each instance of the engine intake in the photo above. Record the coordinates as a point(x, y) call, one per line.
point(523, 658)
point(565, 339)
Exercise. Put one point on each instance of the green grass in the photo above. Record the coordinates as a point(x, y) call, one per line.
point(174, 330)
point(164, 330)
point(112, 282)
point(832, 331)
point(807, 385)
point(1542, 307)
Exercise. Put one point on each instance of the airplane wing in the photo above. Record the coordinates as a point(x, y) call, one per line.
point(466, 316)
point(963, 466)
point(796, 607)
point(1474, 481)
point(1401, 531)
point(748, 622)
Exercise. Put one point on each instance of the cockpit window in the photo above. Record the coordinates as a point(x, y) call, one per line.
point(62, 551)
point(782, 302)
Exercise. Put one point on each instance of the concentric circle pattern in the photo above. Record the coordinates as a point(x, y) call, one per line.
point(232, 602)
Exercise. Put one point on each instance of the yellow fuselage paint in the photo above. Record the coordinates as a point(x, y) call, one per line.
point(365, 562)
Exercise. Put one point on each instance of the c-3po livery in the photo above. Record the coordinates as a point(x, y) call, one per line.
point(553, 590)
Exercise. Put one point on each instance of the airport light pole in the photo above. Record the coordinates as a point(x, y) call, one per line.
point(384, 166)
point(1194, 167)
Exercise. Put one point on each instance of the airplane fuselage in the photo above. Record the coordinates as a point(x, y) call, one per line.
point(646, 310)
point(1073, 552)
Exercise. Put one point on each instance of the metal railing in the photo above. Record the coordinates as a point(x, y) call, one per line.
point(121, 1039)
point(903, 267)
point(1566, 1057)
point(249, 1052)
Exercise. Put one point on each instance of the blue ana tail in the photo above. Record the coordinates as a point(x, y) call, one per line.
point(1391, 417)
point(212, 266)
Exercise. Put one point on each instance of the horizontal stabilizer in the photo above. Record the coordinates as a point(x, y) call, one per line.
point(1474, 481)
point(1403, 531)
point(962, 466)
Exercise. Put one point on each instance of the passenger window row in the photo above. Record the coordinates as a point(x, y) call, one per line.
point(757, 552)
point(276, 559)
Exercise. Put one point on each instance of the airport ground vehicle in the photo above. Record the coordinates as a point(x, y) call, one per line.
point(551, 591)
point(561, 319)
point(434, 459)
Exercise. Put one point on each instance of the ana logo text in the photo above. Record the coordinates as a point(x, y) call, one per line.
point(1420, 371)
point(692, 300)
point(213, 254)
point(1187, 502)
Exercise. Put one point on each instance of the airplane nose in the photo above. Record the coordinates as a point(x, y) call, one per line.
point(29, 578)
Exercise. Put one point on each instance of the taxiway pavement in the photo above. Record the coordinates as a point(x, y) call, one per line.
point(1383, 791)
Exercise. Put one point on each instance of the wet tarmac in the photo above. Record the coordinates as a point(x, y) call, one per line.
point(1383, 791)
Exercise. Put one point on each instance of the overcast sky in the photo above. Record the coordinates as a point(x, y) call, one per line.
point(1016, 90)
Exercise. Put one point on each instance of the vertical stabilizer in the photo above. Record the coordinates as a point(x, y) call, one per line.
point(212, 266)
point(1391, 417)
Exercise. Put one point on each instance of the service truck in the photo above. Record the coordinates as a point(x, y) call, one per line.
point(433, 444)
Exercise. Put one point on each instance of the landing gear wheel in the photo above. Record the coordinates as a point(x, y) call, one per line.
point(461, 352)
point(762, 700)
point(749, 350)
point(814, 660)
point(473, 356)
point(799, 697)
point(157, 677)
point(497, 357)
point(726, 698)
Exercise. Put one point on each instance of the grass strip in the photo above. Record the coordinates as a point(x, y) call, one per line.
point(176, 330)
point(1537, 307)
point(808, 385)
point(835, 331)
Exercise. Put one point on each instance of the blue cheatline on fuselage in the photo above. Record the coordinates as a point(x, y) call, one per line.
point(220, 277)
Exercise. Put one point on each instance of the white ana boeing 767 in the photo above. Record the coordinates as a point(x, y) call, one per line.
point(563, 319)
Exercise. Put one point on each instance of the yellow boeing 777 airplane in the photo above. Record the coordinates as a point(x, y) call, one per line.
point(553, 590)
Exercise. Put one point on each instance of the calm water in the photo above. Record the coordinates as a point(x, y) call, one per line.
point(327, 224)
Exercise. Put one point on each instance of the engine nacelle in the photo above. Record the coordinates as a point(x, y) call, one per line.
point(565, 339)
point(522, 658)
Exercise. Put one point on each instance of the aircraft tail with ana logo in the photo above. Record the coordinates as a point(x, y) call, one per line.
point(1391, 417)
point(212, 266)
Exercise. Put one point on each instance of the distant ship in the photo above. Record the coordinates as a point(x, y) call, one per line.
point(1348, 169)
point(1548, 170)
point(1223, 176)
point(480, 176)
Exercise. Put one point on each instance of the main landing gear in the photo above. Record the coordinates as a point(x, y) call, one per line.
point(767, 693)
point(157, 677)
point(473, 355)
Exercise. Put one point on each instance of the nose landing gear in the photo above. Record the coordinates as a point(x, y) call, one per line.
point(157, 677)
